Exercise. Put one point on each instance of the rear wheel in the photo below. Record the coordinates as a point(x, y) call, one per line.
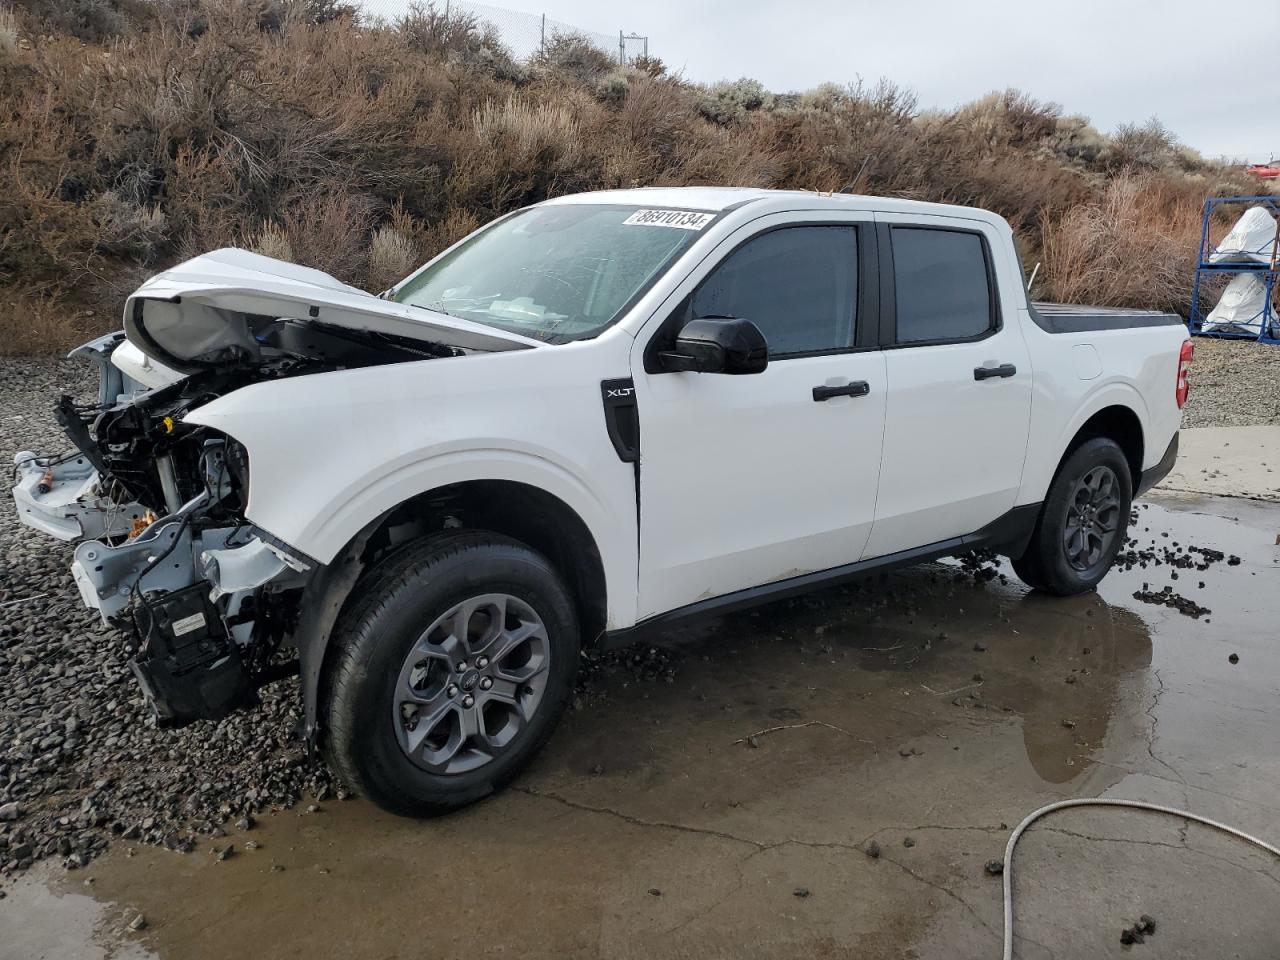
point(449, 673)
point(1083, 522)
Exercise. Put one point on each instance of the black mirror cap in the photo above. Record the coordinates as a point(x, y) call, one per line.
point(718, 345)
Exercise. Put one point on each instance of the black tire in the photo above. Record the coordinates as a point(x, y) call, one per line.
point(1046, 565)
point(397, 602)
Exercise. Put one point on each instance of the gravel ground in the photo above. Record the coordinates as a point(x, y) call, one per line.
point(81, 762)
point(1234, 383)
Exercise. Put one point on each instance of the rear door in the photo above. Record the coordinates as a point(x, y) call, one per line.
point(747, 480)
point(959, 378)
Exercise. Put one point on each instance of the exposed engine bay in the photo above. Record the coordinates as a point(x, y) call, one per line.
point(167, 554)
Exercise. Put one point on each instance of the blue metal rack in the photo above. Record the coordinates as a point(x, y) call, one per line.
point(1269, 325)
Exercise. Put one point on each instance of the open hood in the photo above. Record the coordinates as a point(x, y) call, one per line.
point(202, 314)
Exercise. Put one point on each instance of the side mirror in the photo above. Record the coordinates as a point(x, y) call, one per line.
point(717, 345)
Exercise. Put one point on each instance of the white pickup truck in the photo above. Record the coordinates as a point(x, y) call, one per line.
point(591, 418)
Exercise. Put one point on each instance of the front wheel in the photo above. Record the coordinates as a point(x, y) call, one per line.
point(1083, 522)
point(449, 672)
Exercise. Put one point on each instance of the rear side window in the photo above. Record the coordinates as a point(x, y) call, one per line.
point(799, 285)
point(941, 285)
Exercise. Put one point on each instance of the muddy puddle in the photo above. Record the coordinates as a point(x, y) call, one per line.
point(724, 808)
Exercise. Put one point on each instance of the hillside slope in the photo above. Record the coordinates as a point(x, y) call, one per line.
point(137, 133)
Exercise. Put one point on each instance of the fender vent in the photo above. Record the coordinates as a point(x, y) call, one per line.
point(622, 417)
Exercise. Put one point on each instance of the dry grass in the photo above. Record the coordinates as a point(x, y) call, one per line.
point(139, 132)
point(1135, 246)
point(32, 321)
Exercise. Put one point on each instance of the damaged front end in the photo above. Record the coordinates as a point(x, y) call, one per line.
point(167, 554)
point(161, 504)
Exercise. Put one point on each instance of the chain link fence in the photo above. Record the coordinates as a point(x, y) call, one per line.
point(523, 34)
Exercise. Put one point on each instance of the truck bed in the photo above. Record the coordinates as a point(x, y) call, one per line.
point(1076, 318)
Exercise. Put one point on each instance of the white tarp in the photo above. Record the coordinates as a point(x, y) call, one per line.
point(1240, 307)
point(1253, 238)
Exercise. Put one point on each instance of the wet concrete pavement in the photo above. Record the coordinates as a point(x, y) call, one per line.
point(1228, 461)
point(925, 712)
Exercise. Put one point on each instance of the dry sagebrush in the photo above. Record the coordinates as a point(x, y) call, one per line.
point(140, 132)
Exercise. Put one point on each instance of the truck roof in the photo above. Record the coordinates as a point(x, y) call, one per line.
point(723, 198)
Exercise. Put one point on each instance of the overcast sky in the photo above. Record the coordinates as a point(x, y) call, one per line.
point(1212, 82)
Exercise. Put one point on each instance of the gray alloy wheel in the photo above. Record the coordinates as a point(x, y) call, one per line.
point(1093, 518)
point(470, 683)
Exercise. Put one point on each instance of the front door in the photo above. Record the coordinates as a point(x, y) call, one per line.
point(748, 480)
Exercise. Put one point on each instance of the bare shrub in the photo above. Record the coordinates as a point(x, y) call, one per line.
point(90, 20)
point(1074, 141)
point(458, 38)
point(613, 86)
point(45, 238)
point(731, 100)
point(521, 150)
point(319, 12)
point(1150, 146)
point(1136, 246)
point(574, 57)
point(329, 231)
point(8, 35)
point(272, 241)
point(1010, 118)
point(127, 229)
point(651, 67)
point(447, 231)
point(206, 200)
point(38, 321)
point(392, 257)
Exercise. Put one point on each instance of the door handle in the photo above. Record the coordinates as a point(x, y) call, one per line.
point(858, 388)
point(986, 373)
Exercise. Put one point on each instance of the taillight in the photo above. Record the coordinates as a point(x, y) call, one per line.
point(1184, 364)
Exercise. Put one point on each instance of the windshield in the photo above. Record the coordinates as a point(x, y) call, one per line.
point(555, 273)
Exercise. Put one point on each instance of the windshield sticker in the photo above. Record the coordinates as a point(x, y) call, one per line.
point(680, 219)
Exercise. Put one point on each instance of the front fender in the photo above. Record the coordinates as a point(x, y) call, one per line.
point(330, 453)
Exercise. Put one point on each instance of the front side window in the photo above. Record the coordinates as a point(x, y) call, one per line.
point(555, 273)
point(799, 285)
point(941, 285)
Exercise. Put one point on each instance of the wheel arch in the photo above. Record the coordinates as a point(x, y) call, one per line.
point(526, 513)
point(1118, 422)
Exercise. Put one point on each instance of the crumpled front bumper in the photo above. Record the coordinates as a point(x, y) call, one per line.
point(168, 558)
point(64, 499)
point(115, 560)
